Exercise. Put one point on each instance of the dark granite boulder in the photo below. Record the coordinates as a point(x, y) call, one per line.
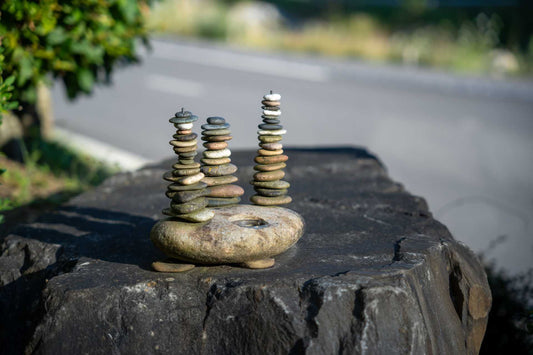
point(374, 273)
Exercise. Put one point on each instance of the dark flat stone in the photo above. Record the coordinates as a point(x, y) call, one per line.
point(216, 120)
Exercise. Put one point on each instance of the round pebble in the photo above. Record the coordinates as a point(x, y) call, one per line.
point(178, 187)
point(185, 172)
point(215, 145)
point(192, 148)
point(277, 132)
point(181, 144)
point(219, 180)
point(270, 103)
point(216, 138)
point(217, 161)
point(183, 126)
point(190, 206)
point(188, 137)
point(222, 201)
point(185, 196)
point(277, 184)
point(270, 167)
point(216, 120)
point(225, 191)
point(271, 192)
point(215, 126)
point(185, 161)
point(181, 120)
point(270, 201)
point(183, 132)
point(272, 97)
point(272, 112)
point(269, 175)
point(271, 159)
point(270, 121)
point(270, 127)
point(271, 146)
point(186, 166)
point(189, 180)
point(269, 152)
point(270, 139)
point(219, 170)
point(217, 132)
point(213, 154)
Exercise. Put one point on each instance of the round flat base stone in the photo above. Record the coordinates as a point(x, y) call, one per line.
point(236, 235)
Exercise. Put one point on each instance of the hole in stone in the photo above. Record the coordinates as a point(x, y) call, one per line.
point(255, 223)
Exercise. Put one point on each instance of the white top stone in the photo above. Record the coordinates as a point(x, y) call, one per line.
point(214, 154)
point(272, 97)
point(271, 113)
point(277, 132)
point(183, 126)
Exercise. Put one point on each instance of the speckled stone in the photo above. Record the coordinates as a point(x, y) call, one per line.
point(202, 215)
point(185, 172)
point(190, 206)
point(270, 127)
point(214, 154)
point(182, 144)
point(269, 167)
point(216, 120)
point(185, 137)
point(271, 159)
point(192, 148)
point(193, 179)
point(271, 146)
point(270, 139)
point(270, 192)
point(228, 238)
point(278, 184)
point(219, 180)
point(269, 175)
point(215, 145)
point(185, 196)
point(270, 201)
point(216, 161)
point(267, 152)
point(216, 138)
point(178, 187)
point(215, 126)
point(270, 103)
point(216, 132)
point(225, 191)
point(193, 165)
point(277, 132)
point(219, 170)
point(222, 201)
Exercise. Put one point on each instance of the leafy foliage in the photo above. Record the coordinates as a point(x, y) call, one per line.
point(78, 41)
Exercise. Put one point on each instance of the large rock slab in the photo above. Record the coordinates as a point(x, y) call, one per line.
point(374, 273)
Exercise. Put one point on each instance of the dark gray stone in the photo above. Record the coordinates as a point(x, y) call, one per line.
point(373, 273)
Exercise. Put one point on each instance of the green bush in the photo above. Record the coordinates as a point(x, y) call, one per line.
point(76, 41)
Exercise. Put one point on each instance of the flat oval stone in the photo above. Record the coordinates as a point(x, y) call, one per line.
point(270, 103)
point(192, 148)
point(216, 138)
point(183, 132)
point(269, 175)
point(270, 192)
point(271, 160)
point(179, 120)
point(172, 267)
point(268, 117)
point(271, 146)
point(236, 234)
point(270, 108)
point(190, 206)
point(272, 112)
point(270, 167)
point(198, 216)
point(215, 126)
point(272, 97)
point(183, 126)
point(277, 184)
point(216, 120)
point(225, 191)
point(219, 170)
point(168, 176)
point(270, 121)
point(188, 155)
point(215, 145)
point(193, 165)
point(179, 187)
point(270, 139)
point(270, 201)
point(181, 144)
point(216, 161)
point(213, 154)
point(219, 180)
point(270, 127)
point(185, 196)
point(189, 180)
point(216, 132)
point(276, 132)
point(185, 172)
point(222, 201)
point(269, 152)
point(185, 137)
point(185, 161)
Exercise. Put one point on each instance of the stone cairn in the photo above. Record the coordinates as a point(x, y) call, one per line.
point(271, 190)
point(186, 191)
point(216, 164)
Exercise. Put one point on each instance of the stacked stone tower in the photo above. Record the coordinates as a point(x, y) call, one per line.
point(186, 191)
point(216, 164)
point(270, 189)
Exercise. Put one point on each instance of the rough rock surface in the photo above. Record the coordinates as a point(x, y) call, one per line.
point(374, 273)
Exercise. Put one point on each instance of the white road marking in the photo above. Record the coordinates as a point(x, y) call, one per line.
point(173, 85)
point(99, 150)
point(239, 61)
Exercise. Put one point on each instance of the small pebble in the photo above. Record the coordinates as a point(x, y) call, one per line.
point(217, 132)
point(188, 166)
point(270, 103)
point(181, 144)
point(219, 180)
point(269, 175)
point(183, 126)
point(186, 172)
point(270, 167)
point(271, 159)
point(213, 154)
point(271, 108)
point(215, 126)
point(271, 146)
point(222, 201)
point(270, 192)
point(270, 201)
point(188, 155)
point(202, 215)
point(277, 132)
point(189, 180)
point(185, 196)
point(216, 138)
point(182, 132)
point(272, 97)
point(171, 267)
point(270, 121)
point(219, 170)
point(278, 184)
point(181, 120)
point(192, 148)
point(259, 264)
point(216, 161)
point(186, 161)
point(178, 187)
point(216, 120)
point(188, 137)
point(183, 114)
point(270, 139)
point(190, 206)
point(168, 176)
point(272, 112)
point(225, 191)
point(215, 145)
point(269, 152)
point(270, 127)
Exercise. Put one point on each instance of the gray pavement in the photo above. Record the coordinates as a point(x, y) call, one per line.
point(464, 144)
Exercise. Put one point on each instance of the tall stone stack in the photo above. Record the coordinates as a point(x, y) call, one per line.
point(270, 189)
point(186, 191)
point(216, 164)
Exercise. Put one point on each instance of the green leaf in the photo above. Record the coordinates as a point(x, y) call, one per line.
point(85, 79)
point(57, 36)
point(9, 81)
point(25, 71)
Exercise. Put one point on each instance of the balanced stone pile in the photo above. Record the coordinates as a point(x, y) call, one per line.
point(271, 190)
point(216, 164)
point(186, 190)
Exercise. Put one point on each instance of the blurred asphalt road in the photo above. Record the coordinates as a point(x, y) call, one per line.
point(464, 144)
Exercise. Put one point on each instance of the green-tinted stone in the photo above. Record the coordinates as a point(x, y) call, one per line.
point(269, 175)
point(185, 137)
point(179, 187)
point(199, 216)
point(222, 201)
point(217, 132)
point(190, 206)
point(219, 170)
point(270, 201)
point(270, 192)
point(185, 172)
point(270, 139)
point(277, 184)
point(185, 196)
